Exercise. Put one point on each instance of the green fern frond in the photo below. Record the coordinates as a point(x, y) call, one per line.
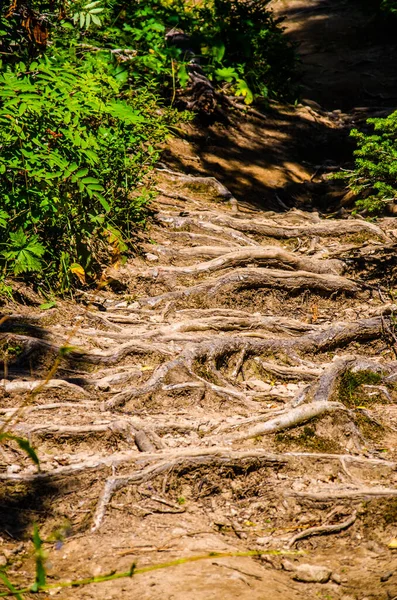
point(24, 253)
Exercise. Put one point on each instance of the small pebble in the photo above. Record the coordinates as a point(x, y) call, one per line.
point(13, 469)
point(151, 257)
point(287, 565)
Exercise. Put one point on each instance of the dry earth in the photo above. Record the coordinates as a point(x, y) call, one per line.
point(239, 392)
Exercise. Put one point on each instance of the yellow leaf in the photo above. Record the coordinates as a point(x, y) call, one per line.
point(147, 368)
point(78, 270)
point(393, 544)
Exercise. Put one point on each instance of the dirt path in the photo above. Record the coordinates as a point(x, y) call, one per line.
point(239, 393)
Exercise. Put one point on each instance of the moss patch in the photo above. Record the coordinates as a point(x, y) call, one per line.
point(351, 392)
point(307, 438)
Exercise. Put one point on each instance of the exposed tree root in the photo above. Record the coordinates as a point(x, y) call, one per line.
point(95, 463)
point(228, 232)
point(226, 375)
point(197, 180)
point(360, 493)
point(265, 256)
point(323, 530)
point(221, 322)
point(18, 387)
point(292, 281)
point(328, 381)
point(321, 340)
point(32, 344)
point(213, 457)
point(293, 417)
point(300, 373)
point(207, 239)
point(121, 428)
point(335, 228)
point(51, 406)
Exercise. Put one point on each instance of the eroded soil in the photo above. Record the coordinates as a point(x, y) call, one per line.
point(238, 392)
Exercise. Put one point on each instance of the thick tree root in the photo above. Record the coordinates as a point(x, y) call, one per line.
point(216, 457)
point(292, 281)
point(293, 417)
point(18, 387)
point(265, 256)
point(199, 181)
point(362, 493)
point(335, 228)
point(321, 340)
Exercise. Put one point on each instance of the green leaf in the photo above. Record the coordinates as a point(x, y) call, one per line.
point(103, 201)
point(4, 216)
point(91, 5)
point(81, 173)
point(226, 74)
point(82, 20)
point(89, 180)
point(24, 253)
point(87, 20)
point(9, 585)
point(96, 20)
point(23, 444)
point(40, 560)
point(218, 51)
point(47, 305)
point(242, 89)
point(70, 169)
point(183, 76)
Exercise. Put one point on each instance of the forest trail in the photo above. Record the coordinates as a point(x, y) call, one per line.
point(238, 392)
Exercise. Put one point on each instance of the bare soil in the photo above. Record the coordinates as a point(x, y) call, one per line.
point(238, 393)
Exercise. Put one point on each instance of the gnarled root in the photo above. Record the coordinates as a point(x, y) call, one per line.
point(292, 281)
point(327, 228)
point(268, 256)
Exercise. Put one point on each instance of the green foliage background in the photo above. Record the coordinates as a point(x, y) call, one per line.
point(374, 176)
point(86, 94)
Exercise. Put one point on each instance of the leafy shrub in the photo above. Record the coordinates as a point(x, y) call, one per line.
point(389, 6)
point(74, 151)
point(374, 178)
point(82, 123)
point(236, 41)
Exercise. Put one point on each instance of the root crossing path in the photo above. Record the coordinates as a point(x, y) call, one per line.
point(237, 393)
